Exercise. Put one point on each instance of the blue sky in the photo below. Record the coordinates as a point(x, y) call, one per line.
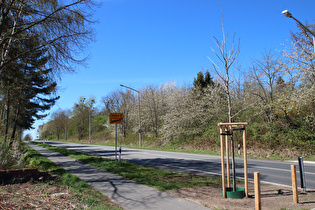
point(143, 42)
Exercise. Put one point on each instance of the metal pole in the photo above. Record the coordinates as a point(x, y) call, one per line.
point(140, 140)
point(306, 29)
point(120, 153)
point(90, 125)
point(302, 174)
point(303, 26)
point(289, 15)
point(116, 142)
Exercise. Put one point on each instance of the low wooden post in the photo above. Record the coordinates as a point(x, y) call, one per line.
point(257, 191)
point(245, 163)
point(294, 184)
point(227, 161)
point(222, 164)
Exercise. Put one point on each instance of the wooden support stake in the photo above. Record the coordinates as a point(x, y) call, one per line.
point(227, 161)
point(245, 163)
point(294, 184)
point(233, 124)
point(257, 191)
point(222, 164)
point(225, 125)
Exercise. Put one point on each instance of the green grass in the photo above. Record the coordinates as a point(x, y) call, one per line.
point(170, 148)
point(159, 179)
point(91, 198)
point(173, 148)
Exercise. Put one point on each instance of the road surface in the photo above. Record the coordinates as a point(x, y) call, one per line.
point(271, 171)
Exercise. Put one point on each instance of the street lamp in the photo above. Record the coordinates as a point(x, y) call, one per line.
point(289, 15)
point(140, 143)
point(89, 125)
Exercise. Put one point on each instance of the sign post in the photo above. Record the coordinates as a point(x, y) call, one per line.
point(116, 118)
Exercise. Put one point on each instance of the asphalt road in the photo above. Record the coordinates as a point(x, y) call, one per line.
point(271, 171)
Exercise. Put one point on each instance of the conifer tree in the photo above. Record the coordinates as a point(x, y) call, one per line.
point(203, 80)
point(29, 88)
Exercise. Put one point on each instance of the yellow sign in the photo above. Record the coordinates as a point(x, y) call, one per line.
point(116, 118)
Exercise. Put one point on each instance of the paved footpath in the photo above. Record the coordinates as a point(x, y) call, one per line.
point(126, 193)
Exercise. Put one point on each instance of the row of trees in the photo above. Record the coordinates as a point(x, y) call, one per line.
point(275, 95)
point(39, 40)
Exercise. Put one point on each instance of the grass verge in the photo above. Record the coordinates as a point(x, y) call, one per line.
point(176, 149)
point(83, 193)
point(159, 179)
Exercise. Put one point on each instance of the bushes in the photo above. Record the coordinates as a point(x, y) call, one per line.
point(10, 155)
point(263, 139)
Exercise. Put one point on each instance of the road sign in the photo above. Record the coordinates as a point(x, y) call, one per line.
point(140, 131)
point(116, 118)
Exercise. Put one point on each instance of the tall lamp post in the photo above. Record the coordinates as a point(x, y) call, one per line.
point(89, 125)
point(289, 15)
point(140, 142)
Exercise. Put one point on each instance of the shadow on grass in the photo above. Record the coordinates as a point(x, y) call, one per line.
point(160, 179)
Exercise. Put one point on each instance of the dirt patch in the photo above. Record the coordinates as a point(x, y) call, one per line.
point(23, 175)
point(41, 196)
point(37, 196)
point(272, 197)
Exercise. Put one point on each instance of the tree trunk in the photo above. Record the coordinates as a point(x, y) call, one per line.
point(17, 113)
point(7, 115)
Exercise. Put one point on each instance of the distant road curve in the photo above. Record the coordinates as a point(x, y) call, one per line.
point(271, 171)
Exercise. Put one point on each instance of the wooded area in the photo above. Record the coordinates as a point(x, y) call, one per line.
point(39, 40)
point(275, 96)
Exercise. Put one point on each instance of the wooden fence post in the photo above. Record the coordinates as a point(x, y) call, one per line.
point(245, 163)
point(222, 164)
point(227, 145)
point(294, 184)
point(257, 191)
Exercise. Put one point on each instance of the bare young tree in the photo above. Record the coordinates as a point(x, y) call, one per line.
point(227, 56)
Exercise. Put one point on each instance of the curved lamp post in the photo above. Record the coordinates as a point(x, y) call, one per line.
point(289, 15)
point(140, 142)
point(89, 125)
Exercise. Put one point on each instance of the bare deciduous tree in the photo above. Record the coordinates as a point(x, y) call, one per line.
point(60, 120)
point(152, 108)
point(122, 102)
point(261, 84)
point(81, 113)
point(226, 59)
point(62, 28)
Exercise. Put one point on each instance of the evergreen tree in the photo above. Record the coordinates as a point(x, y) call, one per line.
point(208, 79)
point(28, 86)
point(203, 81)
